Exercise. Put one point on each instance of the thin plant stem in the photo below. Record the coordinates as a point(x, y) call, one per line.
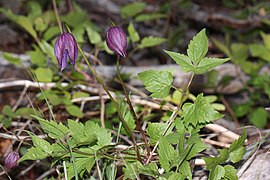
point(112, 99)
point(57, 15)
point(73, 161)
point(133, 113)
point(65, 170)
point(172, 118)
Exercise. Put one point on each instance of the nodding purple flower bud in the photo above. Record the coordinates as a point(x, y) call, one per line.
point(117, 41)
point(11, 160)
point(65, 47)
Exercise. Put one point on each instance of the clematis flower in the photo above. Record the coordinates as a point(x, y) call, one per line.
point(117, 41)
point(11, 160)
point(64, 48)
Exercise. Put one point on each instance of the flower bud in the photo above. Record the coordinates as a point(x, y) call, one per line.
point(11, 160)
point(65, 47)
point(117, 41)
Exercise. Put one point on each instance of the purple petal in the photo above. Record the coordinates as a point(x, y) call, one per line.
point(11, 160)
point(63, 63)
point(117, 40)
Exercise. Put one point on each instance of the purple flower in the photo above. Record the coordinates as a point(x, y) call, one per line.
point(64, 47)
point(11, 160)
point(117, 41)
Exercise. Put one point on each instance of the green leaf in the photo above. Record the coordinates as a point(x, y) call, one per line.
point(42, 144)
point(13, 60)
point(258, 50)
point(150, 169)
point(103, 136)
point(82, 164)
point(131, 170)
point(133, 34)
point(217, 173)
point(77, 129)
point(154, 131)
point(198, 47)
point(149, 17)
point(222, 47)
point(197, 146)
point(266, 39)
point(177, 176)
point(157, 82)
point(259, 117)
point(200, 112)
point(44, 74)
point(130, 121)
point(26, 112)
point(230, 173)
point(80, 94)
point(237, 154)
point(34, 154)
point(132, 9)
point(151, 41)
point(7, 110)
point(208, 63)
point(182, 60)
point(51, 32)
point(212, 162)
point(93, 36)
point(38, 58)
point(185, 169)
point(166, 153)
point(23, 21)
point(54, 130)
point(74, 111)
point(239, 142)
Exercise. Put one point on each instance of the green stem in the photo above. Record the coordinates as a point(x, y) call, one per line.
point(73, 161)
point(112, 99)
point(133, 113)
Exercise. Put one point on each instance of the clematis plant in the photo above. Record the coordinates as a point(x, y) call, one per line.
point(117, 41)
point(11, 160)
point(66, 47)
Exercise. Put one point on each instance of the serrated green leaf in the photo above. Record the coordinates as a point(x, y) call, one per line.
point(239, 142)
point(74, 111)
point(258, 50)
point(103, 136)
point(197, 146)
point(199, 112)
point(182, 60)
point(133, 34)
point(217, 173)
point(132, 9)
point(130, 121)
point(186, 170)
point(208, 63)
point(77, 129)
point(34, 154)
point(154, 131)
point(151, 41)
point(54, 130)
point(222, 47)
point(131, 170)
point(166, 153)
point(59, 150)
point(259, 117)
point(42, 144)
point(157, 82)
point(198, 47)
point(149, 17)
point(82, 164)
point(230, 173)
point(150, 169)
point(212, 162)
